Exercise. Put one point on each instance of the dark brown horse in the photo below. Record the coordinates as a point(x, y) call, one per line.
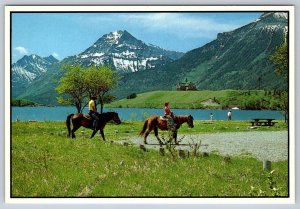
point(157, 122)
point(80, 119)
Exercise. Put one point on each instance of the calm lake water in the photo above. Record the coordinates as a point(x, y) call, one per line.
point(60, 113)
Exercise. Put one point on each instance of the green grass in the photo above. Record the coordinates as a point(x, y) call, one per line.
point(47, 164)
point(196, 100)
point(178, 99)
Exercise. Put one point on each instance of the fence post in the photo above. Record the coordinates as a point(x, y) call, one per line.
point(162, 151)
point(266, 165)
point(181, 153)
point(143, 147)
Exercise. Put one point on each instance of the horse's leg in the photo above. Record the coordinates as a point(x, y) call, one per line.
point(175, 136)
point(102, 134)
point(93, 134)
point(75, 128)
point(146, 135)
point(156, 134)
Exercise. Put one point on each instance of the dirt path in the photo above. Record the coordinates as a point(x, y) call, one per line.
point(263, 145)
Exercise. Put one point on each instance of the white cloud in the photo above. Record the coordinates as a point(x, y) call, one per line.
point(54, 54)
point(181, 24)
point(21, 50)
point(189, 26)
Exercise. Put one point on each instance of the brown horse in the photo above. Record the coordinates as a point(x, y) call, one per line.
point(80, 119)
point(157, 122)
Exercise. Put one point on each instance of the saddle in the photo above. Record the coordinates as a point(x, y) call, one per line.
point(164, 118)
point(87, 116)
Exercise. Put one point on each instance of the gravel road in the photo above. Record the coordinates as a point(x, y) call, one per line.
point(263, 145)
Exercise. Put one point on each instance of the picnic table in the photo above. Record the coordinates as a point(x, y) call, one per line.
point(262, 122)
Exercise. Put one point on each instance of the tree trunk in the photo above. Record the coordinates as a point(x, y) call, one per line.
point(101, 107)
point(78, 107)
point(101, 102)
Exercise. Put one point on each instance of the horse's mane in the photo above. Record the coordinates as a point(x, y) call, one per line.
point(106, 114)
point(182, 117)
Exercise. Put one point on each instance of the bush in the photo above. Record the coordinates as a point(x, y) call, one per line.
point(131, 96)
point(22, 102)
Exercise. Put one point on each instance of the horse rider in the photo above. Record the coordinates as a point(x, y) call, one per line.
point(169, 115)
point(93, 111)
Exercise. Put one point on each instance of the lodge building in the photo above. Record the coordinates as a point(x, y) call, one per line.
point(186, 86)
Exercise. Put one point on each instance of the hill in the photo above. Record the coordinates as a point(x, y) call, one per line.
point(206, 99)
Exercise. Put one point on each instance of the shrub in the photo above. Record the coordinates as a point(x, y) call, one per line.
point(131, 96)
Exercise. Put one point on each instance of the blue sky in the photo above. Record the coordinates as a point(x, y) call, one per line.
point(67, 34)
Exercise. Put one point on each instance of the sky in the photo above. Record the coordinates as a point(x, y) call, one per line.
point(68, 34)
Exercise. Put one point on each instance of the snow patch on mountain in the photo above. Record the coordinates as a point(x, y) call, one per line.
point(23, 74)
point(114, 37)
point(91, 55)
point(277, 15)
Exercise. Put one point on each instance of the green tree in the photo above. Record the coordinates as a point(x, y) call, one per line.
point(99, 81)
point(72, 87)
point(280, 60)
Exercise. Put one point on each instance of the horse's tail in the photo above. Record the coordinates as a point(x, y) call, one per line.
point(68, 123)
point(144, 128)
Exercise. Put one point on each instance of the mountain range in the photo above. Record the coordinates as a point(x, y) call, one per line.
point(234, 60)
point(27, 69)
point(239, 59)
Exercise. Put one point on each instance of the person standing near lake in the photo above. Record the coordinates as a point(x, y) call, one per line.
point(93, 111)
point(229, 115)
point(211, 116)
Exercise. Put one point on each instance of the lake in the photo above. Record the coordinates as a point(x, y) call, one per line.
point(60, 113)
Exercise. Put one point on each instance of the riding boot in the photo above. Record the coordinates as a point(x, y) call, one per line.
point(95, 125)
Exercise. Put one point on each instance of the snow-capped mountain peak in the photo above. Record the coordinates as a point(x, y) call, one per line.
point(28, 68)
point(114, 37)
point(124, 53)
point(273, 21)
point(276, 15)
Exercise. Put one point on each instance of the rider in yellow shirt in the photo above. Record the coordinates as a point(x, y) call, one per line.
point(93, 111)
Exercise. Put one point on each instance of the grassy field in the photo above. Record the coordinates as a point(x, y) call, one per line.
point(47, 164)
point(244, 99)
point(178, 99)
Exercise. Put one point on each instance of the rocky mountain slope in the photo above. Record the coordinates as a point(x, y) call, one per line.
point(27, 69)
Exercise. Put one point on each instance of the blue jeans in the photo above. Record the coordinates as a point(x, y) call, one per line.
point(95, 117)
